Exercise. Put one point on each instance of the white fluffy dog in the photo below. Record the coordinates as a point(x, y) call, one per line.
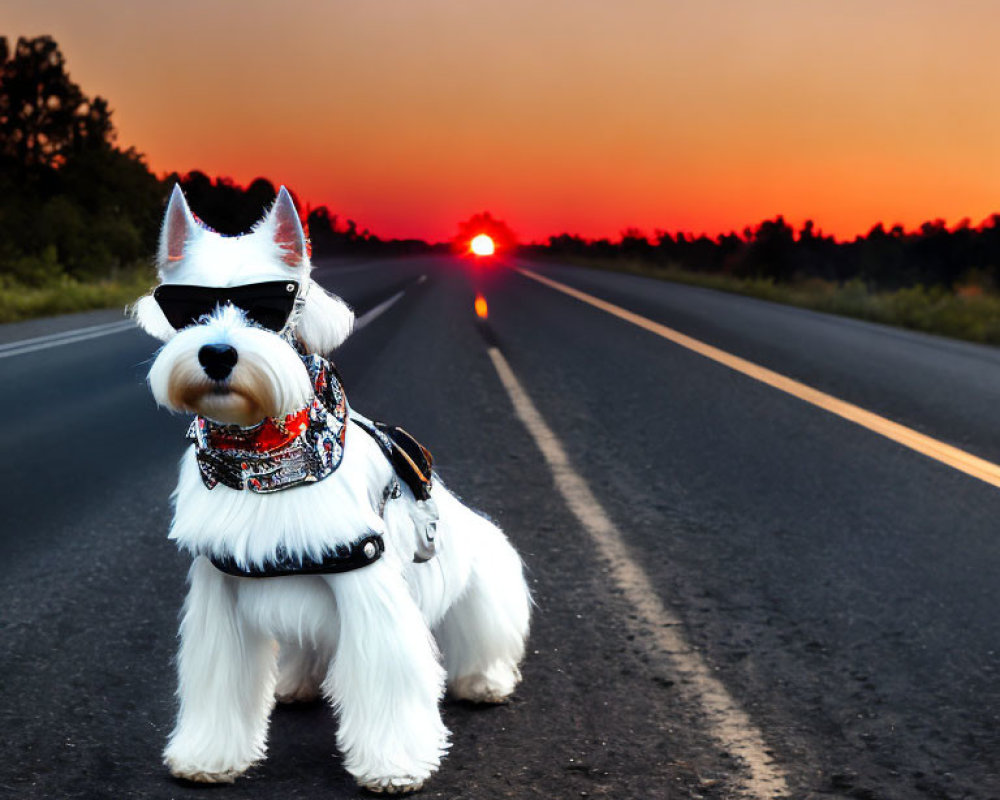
point(318, 567)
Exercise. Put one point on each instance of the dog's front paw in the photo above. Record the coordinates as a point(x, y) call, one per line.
point(394, 785)
point(203, 771)
point(201, 776)
point(496, 685)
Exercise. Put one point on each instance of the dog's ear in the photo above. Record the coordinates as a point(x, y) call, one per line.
point(325, 321)
point(149, 316)
point(179, 227)
point(285, 228)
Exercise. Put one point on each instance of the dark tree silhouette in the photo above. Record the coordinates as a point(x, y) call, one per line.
point(44, 116)
point(769, 254)
point(222, 204)
point(71, 202)
point(933, 255)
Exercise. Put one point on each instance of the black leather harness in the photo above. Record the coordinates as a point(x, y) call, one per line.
point(361, 553)
point(411, 461)
point(412, 464)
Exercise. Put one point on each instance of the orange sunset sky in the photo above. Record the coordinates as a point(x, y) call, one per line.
point(567, 115)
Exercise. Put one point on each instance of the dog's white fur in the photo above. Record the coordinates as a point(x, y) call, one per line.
point(381, 642)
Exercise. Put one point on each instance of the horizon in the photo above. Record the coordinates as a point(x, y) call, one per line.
point(562, 117)
point(484, 222)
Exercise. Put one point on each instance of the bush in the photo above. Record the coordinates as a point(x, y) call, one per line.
point(64, 294)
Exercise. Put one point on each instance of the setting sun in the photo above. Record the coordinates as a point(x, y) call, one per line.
point(482, 245)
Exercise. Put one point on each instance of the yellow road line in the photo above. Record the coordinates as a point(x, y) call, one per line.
point(725, 719)
point(953, 457)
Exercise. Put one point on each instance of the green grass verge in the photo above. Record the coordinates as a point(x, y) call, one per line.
point(970, 313)
point(65, 295)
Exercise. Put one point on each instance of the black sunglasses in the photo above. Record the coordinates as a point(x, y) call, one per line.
point(266, 304)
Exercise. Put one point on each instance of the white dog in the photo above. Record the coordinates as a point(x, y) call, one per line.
point(324, 562)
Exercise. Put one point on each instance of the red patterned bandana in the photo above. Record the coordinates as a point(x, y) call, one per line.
point(280, 452)
point(271, 434)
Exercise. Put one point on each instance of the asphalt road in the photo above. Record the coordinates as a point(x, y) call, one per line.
point(841, 587)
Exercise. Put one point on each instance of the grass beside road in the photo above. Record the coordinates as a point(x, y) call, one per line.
point(64, 295)
point(969, 313)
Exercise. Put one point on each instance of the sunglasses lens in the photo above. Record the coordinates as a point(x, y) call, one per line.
point(184, 305)
point(266, 304)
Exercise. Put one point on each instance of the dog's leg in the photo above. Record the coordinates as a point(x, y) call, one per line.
point(226, 673)
point(482, 636)
point(385, 682)
point(301, 670)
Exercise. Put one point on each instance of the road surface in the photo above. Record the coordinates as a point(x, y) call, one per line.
point(830, 589)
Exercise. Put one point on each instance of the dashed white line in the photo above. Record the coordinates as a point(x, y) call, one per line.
point(371, 314)
point(726, 721)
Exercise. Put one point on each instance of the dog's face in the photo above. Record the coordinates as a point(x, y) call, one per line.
point(224, 308)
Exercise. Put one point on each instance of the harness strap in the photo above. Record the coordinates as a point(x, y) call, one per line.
point(411, 461)
point(361, 553)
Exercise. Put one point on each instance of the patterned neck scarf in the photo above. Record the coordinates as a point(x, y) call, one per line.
point(280, 452)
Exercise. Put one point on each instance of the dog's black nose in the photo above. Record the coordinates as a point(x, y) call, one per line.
point(217, 360)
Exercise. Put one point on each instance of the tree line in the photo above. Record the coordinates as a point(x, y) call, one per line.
point(75, 204)
point(230, 209)
point(932, 255)
point(71, 201)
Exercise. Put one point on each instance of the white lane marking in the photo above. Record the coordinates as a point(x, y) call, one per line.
point(726, 720)
point(65, 337)
point(371, 314)
point(954, 457)
point(60, 335)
